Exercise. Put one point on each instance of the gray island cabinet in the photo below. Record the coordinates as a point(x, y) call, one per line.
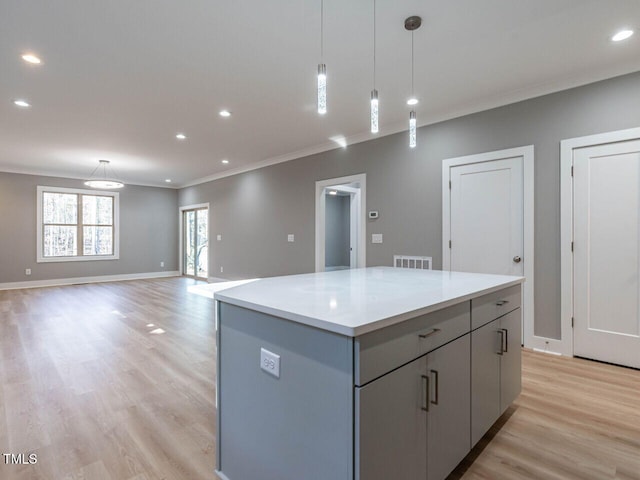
point(363, 374)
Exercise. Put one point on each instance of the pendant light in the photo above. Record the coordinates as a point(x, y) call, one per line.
point(99, 178)
point(412, 24)
point(374, 92)
point(322, 68)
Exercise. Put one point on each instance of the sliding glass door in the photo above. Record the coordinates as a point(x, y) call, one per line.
point(196, 243)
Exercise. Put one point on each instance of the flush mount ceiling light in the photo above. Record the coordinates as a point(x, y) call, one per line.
point(621, 35)
point(225, 161)
point(225, 113)
point(21, 103)
point(374, 92)
point(168, 180)
point(31, 58)
point(412, 24)
point(322, 68)
point(181, 136)
point(100, 178)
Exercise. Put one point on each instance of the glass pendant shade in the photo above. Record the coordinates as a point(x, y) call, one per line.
point(374, 111)
point(322, 88)
point(412, 129)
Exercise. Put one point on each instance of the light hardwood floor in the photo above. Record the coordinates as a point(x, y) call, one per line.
point(87, 385)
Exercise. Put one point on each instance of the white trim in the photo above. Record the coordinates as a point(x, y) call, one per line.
point(40, 258)
point(527, 154)
point(360, 178)
point(566, 222)
point(56, 282)
point(181, 233)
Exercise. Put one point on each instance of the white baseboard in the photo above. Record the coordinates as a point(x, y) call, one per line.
point(55, 282)
point(549, 345)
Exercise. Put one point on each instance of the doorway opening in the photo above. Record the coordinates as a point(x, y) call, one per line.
point(194, 241)
point(340, 223)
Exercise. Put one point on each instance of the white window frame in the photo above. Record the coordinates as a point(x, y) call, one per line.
point(40, 258)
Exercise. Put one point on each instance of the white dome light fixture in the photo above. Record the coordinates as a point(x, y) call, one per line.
point(100, 179)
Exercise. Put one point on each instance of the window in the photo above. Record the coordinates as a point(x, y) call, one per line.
point(77, 225)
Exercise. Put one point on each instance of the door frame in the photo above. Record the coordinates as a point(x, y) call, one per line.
point(527, 154)
point(360, 218)
point(181, 211)
point(566, 222)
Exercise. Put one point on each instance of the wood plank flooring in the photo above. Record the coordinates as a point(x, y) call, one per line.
point(87, 385)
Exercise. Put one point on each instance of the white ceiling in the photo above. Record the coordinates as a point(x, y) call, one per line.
point(120, 78)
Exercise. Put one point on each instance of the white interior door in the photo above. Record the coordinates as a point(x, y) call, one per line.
point(486, 217)
point(606, 198)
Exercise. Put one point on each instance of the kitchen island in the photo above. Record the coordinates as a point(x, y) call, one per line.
point(363, 374)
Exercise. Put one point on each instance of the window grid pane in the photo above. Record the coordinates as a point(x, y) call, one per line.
point(97, 210)
point(60, 241)
point(97, 240)
point(59, 208)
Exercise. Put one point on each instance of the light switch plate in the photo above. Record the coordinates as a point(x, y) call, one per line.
point(376, 238)
point(291, 238)
point(270, 362)
point(219, 237)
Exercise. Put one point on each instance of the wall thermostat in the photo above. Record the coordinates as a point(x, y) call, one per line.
point(373, 214)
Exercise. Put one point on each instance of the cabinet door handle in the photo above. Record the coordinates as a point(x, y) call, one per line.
point(506, 340)
point(428, 334)
point(425, 393)
point(501, 333)
point(500, 303)
point(436, 386)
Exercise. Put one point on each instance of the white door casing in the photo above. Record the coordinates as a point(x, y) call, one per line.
point(606, 257)
point(569, 148)
point(493, 178)
point(358, 218)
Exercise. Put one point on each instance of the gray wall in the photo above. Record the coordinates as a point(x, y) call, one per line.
point(254, 211)
point(337, 242)
point(148, 232)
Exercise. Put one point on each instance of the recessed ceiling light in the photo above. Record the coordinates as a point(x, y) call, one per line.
point(225, 113)
point(412, 101)
point(168, 180)
point(181, 136)
point(31, 58)
point(622, 35)
point(225, 161)
point(21, 103)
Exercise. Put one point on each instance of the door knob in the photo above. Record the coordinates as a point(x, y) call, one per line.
point(517, 259)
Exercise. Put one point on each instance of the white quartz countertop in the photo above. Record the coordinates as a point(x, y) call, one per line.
point(358, 301)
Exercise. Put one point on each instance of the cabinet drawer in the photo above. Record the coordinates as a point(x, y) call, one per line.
point(381, 351)
point(493, 305)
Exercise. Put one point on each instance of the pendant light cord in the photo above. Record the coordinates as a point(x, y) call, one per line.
point(412, 91)
point(321, 31)
point(374, 44)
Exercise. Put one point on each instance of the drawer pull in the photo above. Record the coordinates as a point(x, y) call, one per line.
point(428, 334)
point(500, 303)
point(425, 393)
point(436, 385)
point(501, 333)
point(506, 340)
